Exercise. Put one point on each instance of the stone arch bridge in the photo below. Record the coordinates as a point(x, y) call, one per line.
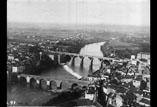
point(45, 82)
point(91, 58)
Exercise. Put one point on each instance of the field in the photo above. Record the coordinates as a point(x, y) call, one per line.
point(122, 45)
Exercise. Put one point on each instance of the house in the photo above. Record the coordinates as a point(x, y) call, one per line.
point(132, 57)
point(121, 89)
point(146, 76)
point(17, 69)
point(14, 69)
point(51, 56)
point(148, 61)
point(146, 94)
point(121, 72)
point(126, 80)
point(91, 92)
point(148, 85)
point(137, 82)
point(143, 55)
point(141, 67)
point(144, 102)
point(10, 57)
point(93, 78)
point(146, 70)
point(119, 101)
point(115, 100)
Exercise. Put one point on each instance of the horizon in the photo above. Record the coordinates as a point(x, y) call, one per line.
point(71, 24)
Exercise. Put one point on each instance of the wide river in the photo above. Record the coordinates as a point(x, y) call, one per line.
point(24, 95)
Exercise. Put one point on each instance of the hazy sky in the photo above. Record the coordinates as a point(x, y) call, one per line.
point(121, 12)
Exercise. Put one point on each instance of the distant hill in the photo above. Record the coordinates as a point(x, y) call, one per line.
point(114, 28)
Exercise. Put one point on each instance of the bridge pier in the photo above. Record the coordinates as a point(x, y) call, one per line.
point(58, 84)
point(73, 60)
point(58, 59)
point(18, 76)
point(91, 63)
point(82, 60)
point(48, 83)
point(38, 82)
point(101, 66)
point(28, 79)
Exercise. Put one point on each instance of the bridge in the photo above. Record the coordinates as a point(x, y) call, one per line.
point(45, 82)
point(91, 57)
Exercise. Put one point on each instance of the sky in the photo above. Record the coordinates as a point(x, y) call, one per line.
point(116, 12)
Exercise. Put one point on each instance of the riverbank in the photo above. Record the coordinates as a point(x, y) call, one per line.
point(119, 48)
point(75, 46)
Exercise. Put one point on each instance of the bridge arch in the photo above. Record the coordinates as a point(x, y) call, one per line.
point(107, 62)
point(23, 80)
point(53, 84)
point(74, 86)
point(64, 85)
point(67, 58)
point(43, 84)
point(33, 82)
point(84, 87)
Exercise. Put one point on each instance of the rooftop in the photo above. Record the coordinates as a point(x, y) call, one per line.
point(145, 101)
point(144, 53)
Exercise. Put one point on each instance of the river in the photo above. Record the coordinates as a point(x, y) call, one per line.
point(24, 95)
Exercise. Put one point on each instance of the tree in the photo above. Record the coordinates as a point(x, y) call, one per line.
point(46, 63)
point(35, 49)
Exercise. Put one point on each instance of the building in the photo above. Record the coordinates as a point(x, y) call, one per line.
point(90, 93)
point(134, 62)
point(17, 69)
point(143, 55)
point(148, 61)
point(137, 82)
point(144, 102)
point(115, 100)
point(141, 67)
point(93, 77)
point(10, 57)
point(132, 57)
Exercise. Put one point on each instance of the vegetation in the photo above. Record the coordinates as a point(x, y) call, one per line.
point(35, 49)
point(64, 97)
point(124, 49)
point(37, 66)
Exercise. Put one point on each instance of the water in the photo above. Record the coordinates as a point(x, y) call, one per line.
point(24, 95)
point(91, 49)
